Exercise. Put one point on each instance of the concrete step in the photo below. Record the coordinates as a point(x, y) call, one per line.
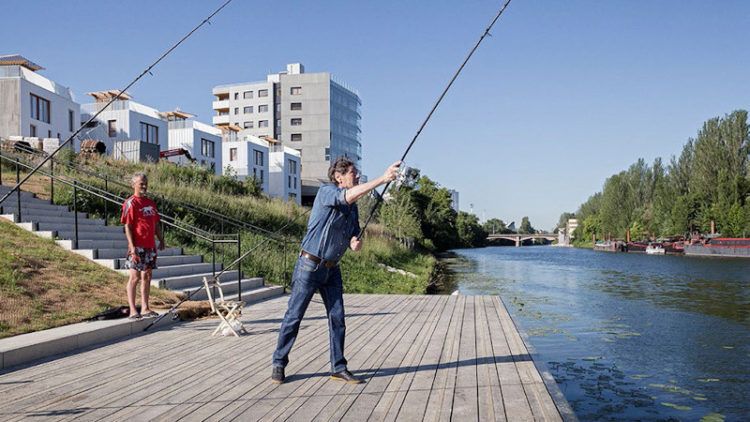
point(61, 221)
point(43, 213)
point(82, 235)
point(33, 204)
point(179, 270)
point(115, 253)
point(44, 226)
point(169, 260)
point(230, 289)
point(95, 244)
point(5, 189)
point(189, 282)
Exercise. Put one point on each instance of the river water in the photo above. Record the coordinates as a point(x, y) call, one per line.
point(627, 336)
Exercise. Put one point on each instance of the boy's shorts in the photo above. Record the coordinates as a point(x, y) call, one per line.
point(146, 260)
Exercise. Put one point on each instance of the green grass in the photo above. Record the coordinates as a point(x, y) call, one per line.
point(44, 286)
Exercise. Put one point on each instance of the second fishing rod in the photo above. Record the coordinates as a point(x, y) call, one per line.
point(407, 173)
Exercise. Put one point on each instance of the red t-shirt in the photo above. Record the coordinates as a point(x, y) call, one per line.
point(141, 214)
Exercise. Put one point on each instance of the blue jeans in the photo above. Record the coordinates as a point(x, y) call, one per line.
point(307, 278)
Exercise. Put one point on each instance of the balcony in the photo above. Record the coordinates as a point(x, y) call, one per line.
point(220, 120)
point(220, 105)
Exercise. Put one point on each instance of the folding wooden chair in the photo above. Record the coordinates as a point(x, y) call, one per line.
point(227, 310)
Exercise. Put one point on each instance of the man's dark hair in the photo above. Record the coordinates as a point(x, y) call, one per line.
point(341, 165)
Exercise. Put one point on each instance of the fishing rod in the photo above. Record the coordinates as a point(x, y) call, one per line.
point(404, 172)
point(117, 97)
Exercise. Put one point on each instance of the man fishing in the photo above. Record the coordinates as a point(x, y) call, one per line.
point(332, 228)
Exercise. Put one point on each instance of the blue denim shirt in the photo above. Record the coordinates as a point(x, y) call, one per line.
point(332, 224)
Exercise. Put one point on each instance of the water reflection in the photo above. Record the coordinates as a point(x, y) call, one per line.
point(627, 336)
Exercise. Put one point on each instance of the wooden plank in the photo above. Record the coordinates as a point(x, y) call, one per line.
point(488, 390)
point(465, 404)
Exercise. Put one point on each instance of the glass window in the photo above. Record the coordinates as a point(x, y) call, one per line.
point(236, 110)
point(236, 95)
point(247, 125)
point(295, 90)
point(232, 154)
point(112, 128)
point(247, 94)
point(258, 155)
point(289, 182)
point(263, 108)
point(207, 148)
point(71, 120)
point(297, 121)
point(296, 106)
point(32, 131)
point(328, 154)
point(40, 108)
point(149, 133)
point(296, 137)
point(292, 167)
point(262, 93)
point(262, 123)
point(248, 110)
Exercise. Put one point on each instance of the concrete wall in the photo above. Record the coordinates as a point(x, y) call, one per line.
point(284, 181)
point(244, 166)
point(10, 111)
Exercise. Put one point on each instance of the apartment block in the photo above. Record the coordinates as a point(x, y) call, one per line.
point(247, 158)
point(308, 112)
point(32, 105)
point(126, 128)
point(284, 178)
point(190, 141)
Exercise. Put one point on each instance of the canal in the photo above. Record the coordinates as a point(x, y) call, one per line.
point(627, 336)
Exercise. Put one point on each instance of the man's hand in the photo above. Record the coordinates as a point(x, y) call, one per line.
point(131, 253)
point(355, 244)
point(392, 172)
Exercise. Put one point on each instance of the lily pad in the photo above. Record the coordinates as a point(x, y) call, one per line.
point(676, 406)
point(709, 379)
point(713, 417)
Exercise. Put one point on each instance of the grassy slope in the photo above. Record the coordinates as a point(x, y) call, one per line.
point(44, 286)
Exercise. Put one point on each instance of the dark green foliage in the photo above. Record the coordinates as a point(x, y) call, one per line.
point(708, 182)
point(525, 227)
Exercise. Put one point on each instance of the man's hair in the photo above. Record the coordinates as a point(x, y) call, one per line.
point(137, 176)
point(341, 165)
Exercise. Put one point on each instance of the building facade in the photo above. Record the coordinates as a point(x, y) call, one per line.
point(202, 142)
point(32, 105)
point(284, 180)
point(122, 122)
point(308, 112)
point(247, 158)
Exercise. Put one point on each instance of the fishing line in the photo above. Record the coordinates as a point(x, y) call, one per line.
point(117, 97)
point(379, 197)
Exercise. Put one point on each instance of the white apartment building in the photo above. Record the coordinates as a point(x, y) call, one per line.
point(32, 105)
point(284, 179)
point(454, 199)
point(308, 112)
point(247, 158)
point(125, 125)
point(201, 141)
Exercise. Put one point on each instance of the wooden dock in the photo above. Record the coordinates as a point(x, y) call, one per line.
point(423, 357)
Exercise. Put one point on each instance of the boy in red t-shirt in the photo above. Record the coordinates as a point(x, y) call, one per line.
point(141, 220)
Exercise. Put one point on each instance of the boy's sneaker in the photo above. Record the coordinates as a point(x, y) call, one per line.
point(277, 376)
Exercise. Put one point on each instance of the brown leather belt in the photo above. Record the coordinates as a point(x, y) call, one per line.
point(315, 259)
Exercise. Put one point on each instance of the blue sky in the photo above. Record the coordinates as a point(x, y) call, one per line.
point(563, 95)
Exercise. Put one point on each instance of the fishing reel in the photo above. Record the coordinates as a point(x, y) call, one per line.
point(407, 176)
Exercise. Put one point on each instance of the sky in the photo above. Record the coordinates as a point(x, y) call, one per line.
point(563, 95)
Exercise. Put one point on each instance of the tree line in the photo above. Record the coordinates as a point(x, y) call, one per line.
point(708, 182)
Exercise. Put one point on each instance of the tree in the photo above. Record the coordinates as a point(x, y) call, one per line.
point(526, 227)
point(399, 216)
point(470, 232)
point(495, 225)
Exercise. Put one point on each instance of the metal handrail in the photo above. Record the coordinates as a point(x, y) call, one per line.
point(207, 212)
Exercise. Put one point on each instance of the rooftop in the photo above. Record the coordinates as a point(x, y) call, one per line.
point(19, 60)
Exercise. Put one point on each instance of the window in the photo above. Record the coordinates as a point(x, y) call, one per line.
point(149, 133)
point(278, 107)
point(262, 123)
point(39, 108)
point(32, 131)
point(212, 166)
point(328, 154)
point(236, 95)
point(232, 154)
point(292, 195)
point(278, 123)
point(207, 148)
point(296, 137)
point(247, 94)
point(295, 90)
point(292, 167)
point(262, 93)
point(258, 157)
point(289, 182)
point(297, 121)
point(263, 108)
point(247, 125)
point(248, 110)
point(49, 134)
point(236, 110)
point(296, 106)
point(112, 128)
point(71, 120)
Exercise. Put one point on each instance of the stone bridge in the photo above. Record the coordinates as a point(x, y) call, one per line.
point(519, 238)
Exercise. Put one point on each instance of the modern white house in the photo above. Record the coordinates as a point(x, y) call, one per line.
point(200, 141)
point(309, 112)
point(247, 158)
point(32, 105)
point(128, 129)
point(284, 167)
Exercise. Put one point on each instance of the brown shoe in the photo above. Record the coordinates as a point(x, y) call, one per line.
point(347, 377)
